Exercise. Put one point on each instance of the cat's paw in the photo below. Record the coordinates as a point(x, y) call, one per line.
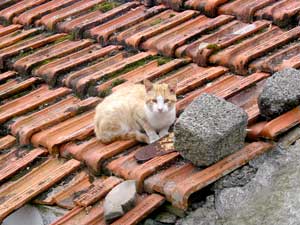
point(153, 139)
point(163, 133)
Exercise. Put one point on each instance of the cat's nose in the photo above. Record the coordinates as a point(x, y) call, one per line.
point(160, 109)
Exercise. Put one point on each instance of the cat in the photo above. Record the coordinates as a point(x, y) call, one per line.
point(143, 112)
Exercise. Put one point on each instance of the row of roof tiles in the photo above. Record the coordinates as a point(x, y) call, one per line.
point(72, 13)
point(221, 41)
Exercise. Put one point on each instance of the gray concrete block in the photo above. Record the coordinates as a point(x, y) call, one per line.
point(280, 93)
point(210, 129)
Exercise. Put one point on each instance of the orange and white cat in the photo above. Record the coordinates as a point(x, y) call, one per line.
point(143, 112)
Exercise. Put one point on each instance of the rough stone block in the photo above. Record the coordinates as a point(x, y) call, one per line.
point(120, 200)
point(280, 93)
point(210, 129)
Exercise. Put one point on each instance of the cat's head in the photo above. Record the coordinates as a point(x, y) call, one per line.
point(161, 98)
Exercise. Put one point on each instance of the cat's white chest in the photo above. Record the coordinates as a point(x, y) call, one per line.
point(159, 121)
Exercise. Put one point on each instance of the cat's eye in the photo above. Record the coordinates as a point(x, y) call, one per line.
point(154, 100)
point(167, 100)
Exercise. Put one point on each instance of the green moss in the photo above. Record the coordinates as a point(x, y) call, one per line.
point(171, 15)
point(117, 82)
point(104, 93)
point(161, 60)
point(213, 46)
point(23, 54)
point(105, 6)
point(156, 21)
point(67, 37)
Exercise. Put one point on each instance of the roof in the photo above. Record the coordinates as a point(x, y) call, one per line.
point(59, 58)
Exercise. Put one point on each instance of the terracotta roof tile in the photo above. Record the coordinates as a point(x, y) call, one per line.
point(14, 86)
point(103, 32)
point(168, 41)
point(200, 76)
point(30, 101)
point(24, 65)
point(151, 74)
point(209, 7)
point(25, 127)
point(7, 141)
point(87, 81)
point(203, 48)
point(100, 187)
point(7, 14)
point(76, 128)
point(239, 56)
point(7, 3)
point(178, 183)
point(87, 21)
point(153, 26)
point(9, 29)
point(79, 215)
point(244, 9)
point(52, 70)
point(38, 180)
point(144, 207)
point(16, 160)
point(282, 12)
point(28, 17)
point(50, 20)
point(286, 57)
point(26, 45)
point(15, 36)
point(7, 75)
point(277, 126)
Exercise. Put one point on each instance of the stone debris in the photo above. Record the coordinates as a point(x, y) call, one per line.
point(210, 129)
point(280, 93)
point(120, 200)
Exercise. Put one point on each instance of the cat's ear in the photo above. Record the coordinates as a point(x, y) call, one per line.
point(148, 85)
point(173, 86)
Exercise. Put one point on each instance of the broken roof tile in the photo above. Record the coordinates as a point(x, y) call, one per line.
point(50, 71)
point(30, 101)
point(65, 186)
point(87, 21)
point(25, 127)
point(100, 187)
point(167, 42)
point(128, 168)
point(203, 48)
point(103, 32)
point(14, 86)
point(76, 128)
point(28, 17)
point(7, 14)
point(237, 57)
point(16, 160)
point(7, 141)
point(50, 20)
point(153, 26)
point(281, 12)
point(177, 186)
point(26, 45)
point(35, 182)
point(244, 9)
point(25, 64)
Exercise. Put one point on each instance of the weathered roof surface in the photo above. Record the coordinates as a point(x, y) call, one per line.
point(59, 58)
